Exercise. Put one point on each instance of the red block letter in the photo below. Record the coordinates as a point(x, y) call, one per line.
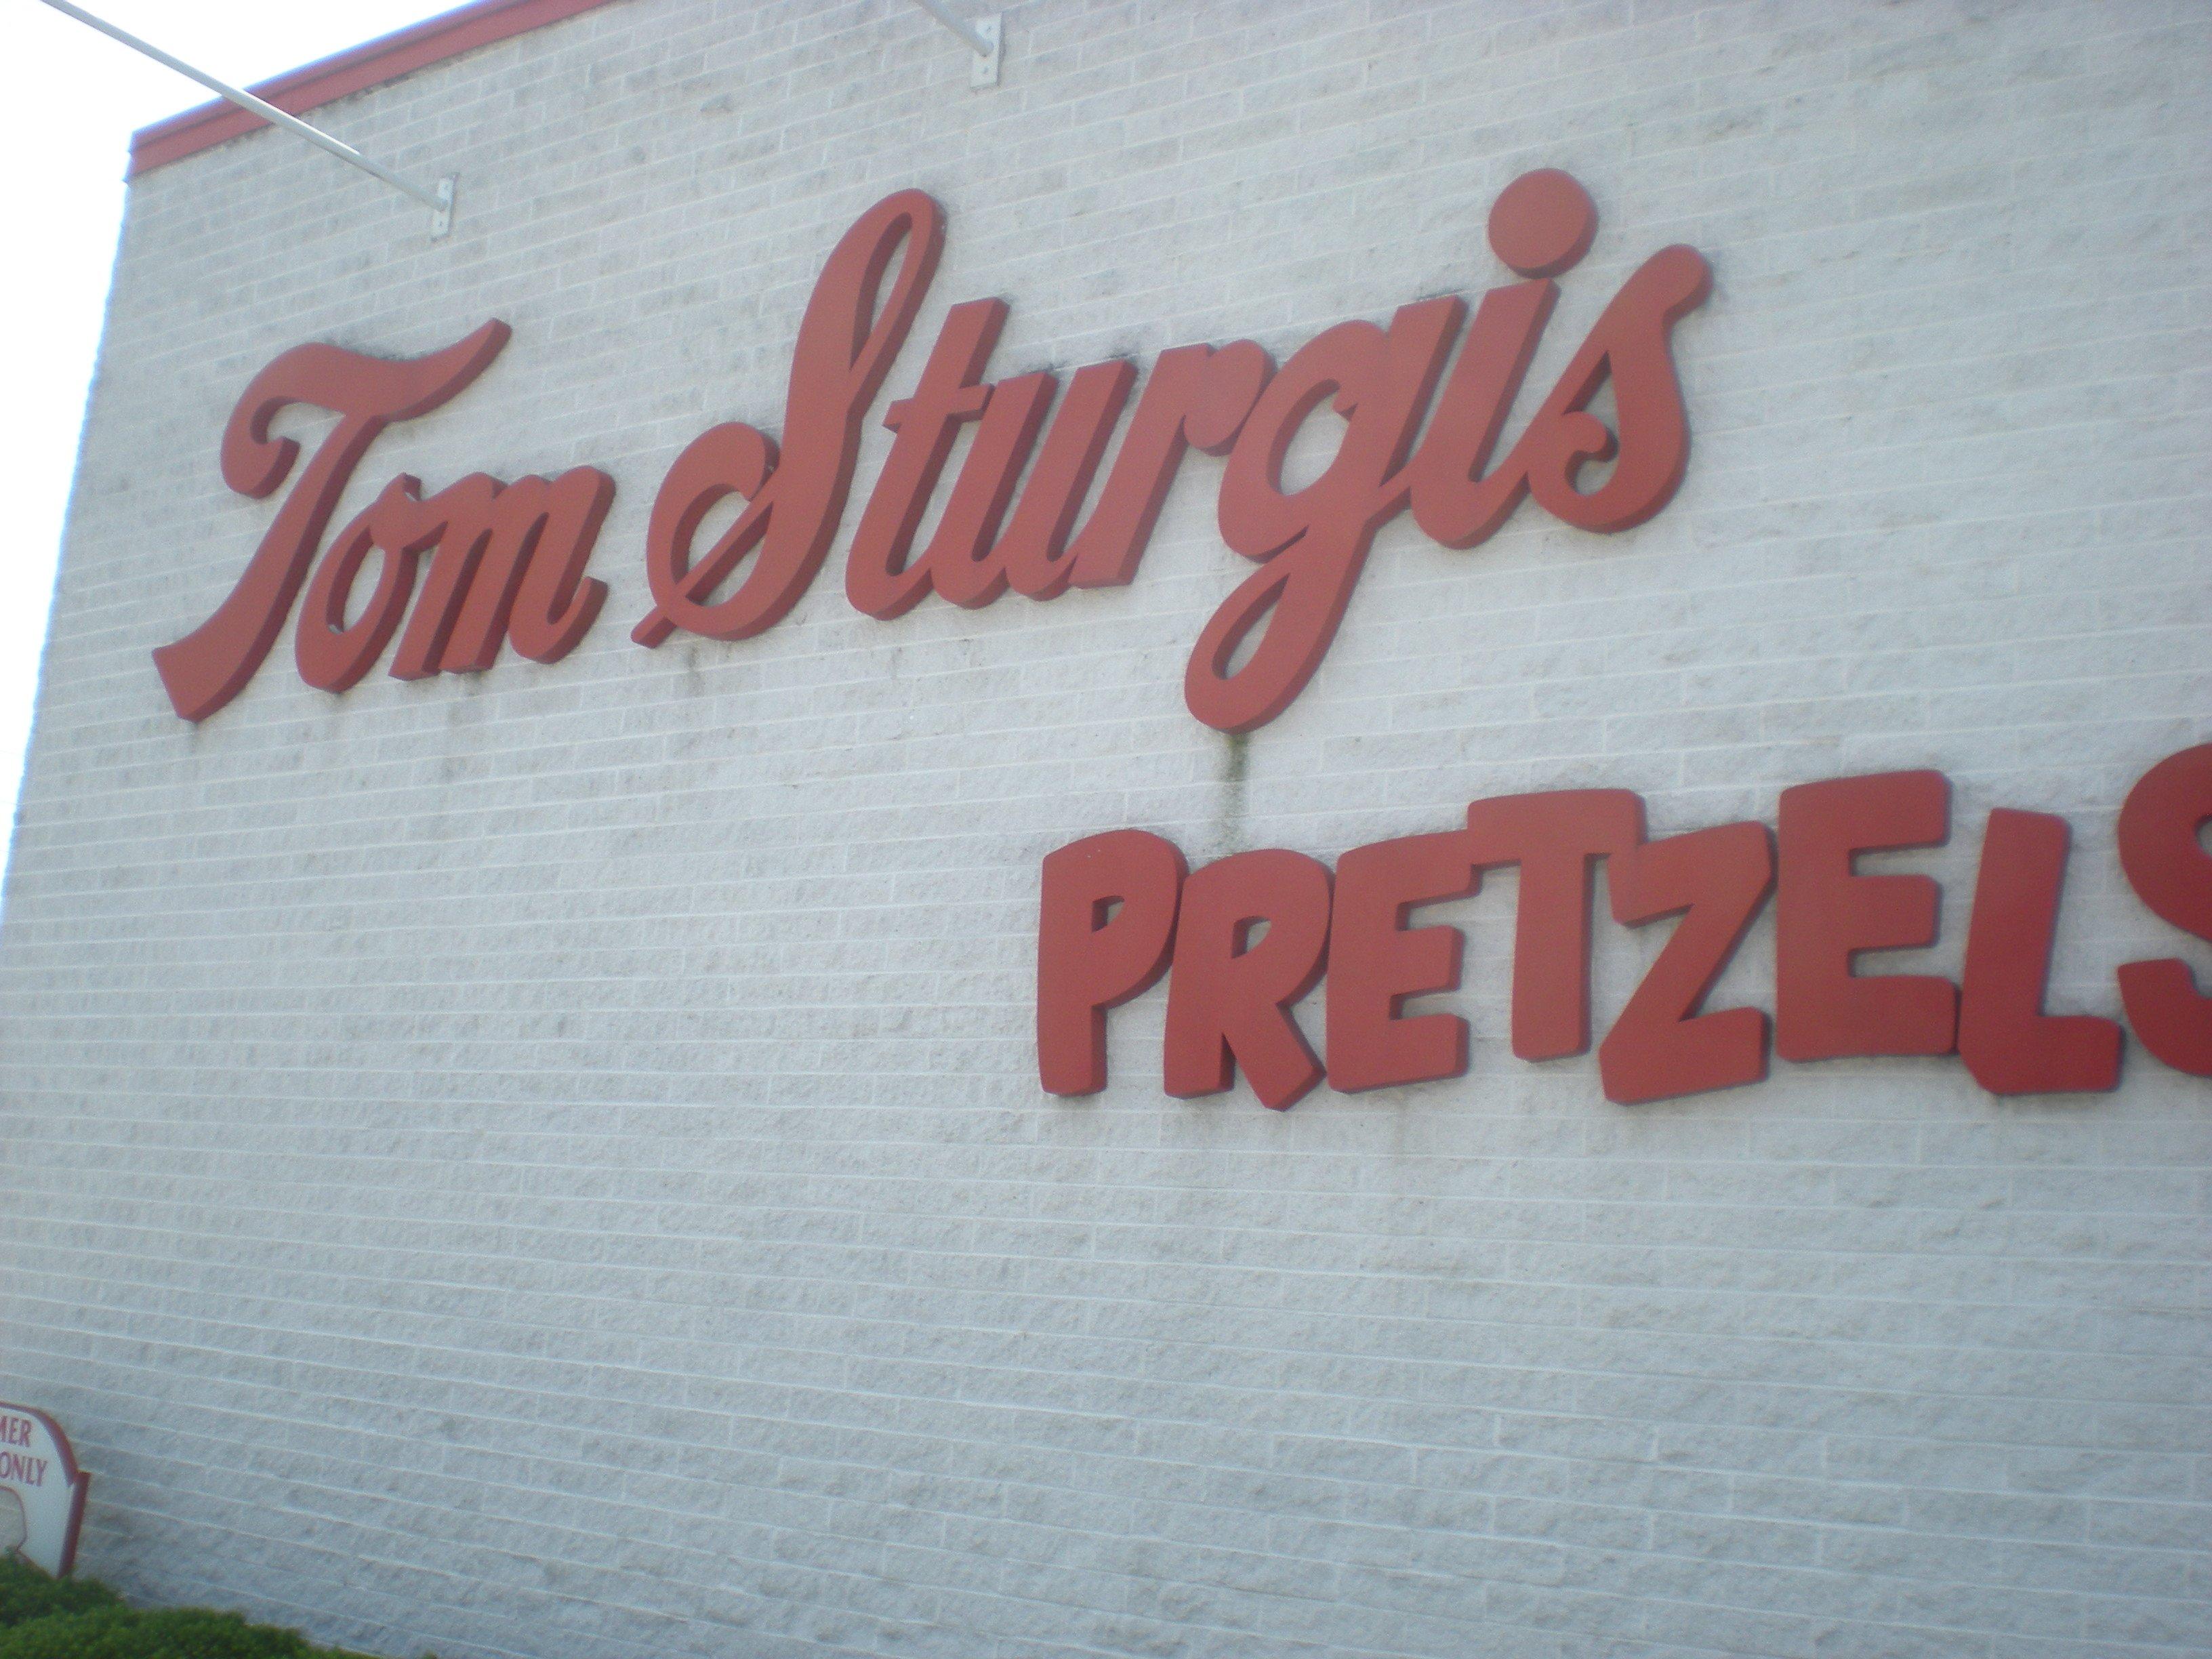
point(879, 579)
point(1091, 956)
point(1630, 344)
point(2172, 874)
point(2010, 1045)
point(846, 345)
point(333, 654)
point(1541, 225)
point(1034, 551)
point(1229, 997)
point(1376, 962)
point(966, 564)
point(211, 664)
point(509, 561)
point(1552, 836)
point(1716, 879)
point(1196, 396)
point(1312, 543)
point(1824, 913)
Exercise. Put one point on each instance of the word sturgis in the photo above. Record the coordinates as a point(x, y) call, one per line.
point(507, 560)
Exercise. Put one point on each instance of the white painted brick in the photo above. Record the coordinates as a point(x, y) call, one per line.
point(550, 1165)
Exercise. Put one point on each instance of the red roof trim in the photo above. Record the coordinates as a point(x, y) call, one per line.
point(463, 29)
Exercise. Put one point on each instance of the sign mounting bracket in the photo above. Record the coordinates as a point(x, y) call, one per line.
point(985, 37)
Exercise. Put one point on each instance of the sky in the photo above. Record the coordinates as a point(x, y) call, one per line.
point(74, 99)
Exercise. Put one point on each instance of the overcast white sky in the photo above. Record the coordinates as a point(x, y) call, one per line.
point(73, 99)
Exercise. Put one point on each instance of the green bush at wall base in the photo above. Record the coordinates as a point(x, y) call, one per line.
point(121, 1633)
point(26, 1594)
point(43, 1618)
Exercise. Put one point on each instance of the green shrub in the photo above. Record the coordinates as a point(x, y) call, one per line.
point(43, 1618)
point(25, 1593)
point(119, 1634)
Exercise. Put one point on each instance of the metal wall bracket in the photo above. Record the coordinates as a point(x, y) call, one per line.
point(983, 68)
point(983, 36)
point(441, 216)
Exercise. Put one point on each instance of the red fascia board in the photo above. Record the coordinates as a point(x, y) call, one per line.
point(447, 35)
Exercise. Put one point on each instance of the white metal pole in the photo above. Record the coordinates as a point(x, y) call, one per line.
point(438, 199)
point(960, 25)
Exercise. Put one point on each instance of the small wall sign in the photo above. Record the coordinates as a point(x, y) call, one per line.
point(41, 1489)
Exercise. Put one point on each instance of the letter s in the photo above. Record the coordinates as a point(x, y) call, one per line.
point(2172, 874)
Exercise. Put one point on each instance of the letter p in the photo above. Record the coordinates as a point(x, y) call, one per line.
point(1107, 925)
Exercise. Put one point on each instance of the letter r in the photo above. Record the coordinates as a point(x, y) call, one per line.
point(1091, 956)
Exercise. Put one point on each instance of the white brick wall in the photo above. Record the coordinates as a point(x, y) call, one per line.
point(549, 1164)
